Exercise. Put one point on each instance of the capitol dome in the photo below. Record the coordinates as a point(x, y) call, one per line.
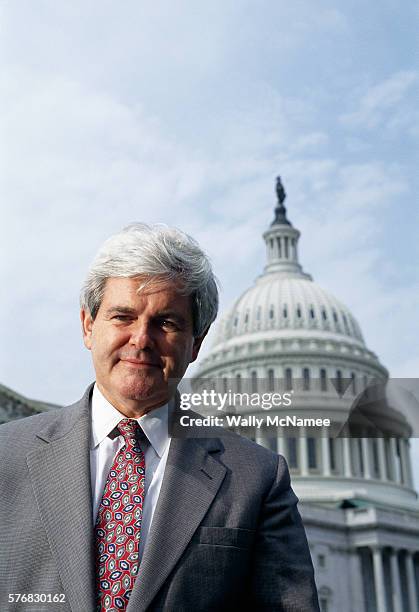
point(285, 311)
point(286, 332)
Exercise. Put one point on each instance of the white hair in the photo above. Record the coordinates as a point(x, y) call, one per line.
point(160, 252)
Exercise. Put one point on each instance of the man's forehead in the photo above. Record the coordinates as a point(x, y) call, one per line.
point(164, 293)
point(144, 285)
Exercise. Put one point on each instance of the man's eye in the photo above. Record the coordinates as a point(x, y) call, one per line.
point(121, 317)
point(168, 324)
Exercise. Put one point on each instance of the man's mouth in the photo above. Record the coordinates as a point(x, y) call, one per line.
point(140, 362)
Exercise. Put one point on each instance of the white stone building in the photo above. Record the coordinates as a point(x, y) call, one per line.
point(356, 493)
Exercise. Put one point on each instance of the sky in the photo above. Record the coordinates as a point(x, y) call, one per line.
point(184, 113)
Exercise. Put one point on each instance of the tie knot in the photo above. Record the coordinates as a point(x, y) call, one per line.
point(128, 428)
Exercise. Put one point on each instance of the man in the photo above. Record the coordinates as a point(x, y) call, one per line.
point(101, 509)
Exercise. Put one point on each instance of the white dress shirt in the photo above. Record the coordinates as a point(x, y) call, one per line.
point(103, 450)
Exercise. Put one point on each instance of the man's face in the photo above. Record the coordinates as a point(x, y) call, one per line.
point(139, 341)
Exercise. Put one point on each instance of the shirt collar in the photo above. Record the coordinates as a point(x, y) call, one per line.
point(106, 417)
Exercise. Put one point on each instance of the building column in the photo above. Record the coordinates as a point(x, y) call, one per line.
point(366, 457)
point(303, 462)
point(280, 442)
point(404, 446)
point(347, 467)
point(356, 465)
point(411, 582)
point(380, 595)
point(402, 462)
point(396, 592)
point(409, 464)
point(382, 458)
point(393, 460)
point(325, 453)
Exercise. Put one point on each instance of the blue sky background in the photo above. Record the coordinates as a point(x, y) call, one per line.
point(184, 113)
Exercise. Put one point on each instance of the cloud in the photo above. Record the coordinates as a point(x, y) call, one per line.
point(384, 102)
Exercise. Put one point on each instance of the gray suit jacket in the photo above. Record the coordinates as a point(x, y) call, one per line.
point(226, 533)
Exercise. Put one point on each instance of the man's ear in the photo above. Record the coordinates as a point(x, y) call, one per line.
point(197, 344)
point(86, 325)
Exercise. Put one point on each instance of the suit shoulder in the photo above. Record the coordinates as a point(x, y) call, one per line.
point(32, 423)
point(24, 430)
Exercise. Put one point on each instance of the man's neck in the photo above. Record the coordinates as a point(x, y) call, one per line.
point(133, 408)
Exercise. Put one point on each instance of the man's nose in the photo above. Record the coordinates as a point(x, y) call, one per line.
point(142, 335)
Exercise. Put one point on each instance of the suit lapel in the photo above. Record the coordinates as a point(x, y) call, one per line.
point(191, 480)
point(60, 474)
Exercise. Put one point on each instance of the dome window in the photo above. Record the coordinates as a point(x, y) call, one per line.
point(335, 316)
point(271, 380)
point(258, 313)
point(332, 454)
point(324, 314)
point(271, 313)
point(339, 382)
point(239, 383)
point(285, 311)
point(299, 314)
point(236, 320)
point(288, 379)
point(254, 381)
point(312, 313)
point(323, 379)
point(345, 322)
point(246, 318)
point(306, 379)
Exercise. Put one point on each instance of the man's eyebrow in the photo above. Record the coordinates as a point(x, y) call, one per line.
point(171, 314)
point(120, 310)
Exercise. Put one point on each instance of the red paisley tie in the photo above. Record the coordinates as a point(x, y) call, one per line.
point(118, 523)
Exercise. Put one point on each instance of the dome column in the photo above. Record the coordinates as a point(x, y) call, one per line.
point(395, 582)
point(409, 464)
point(377, 559)
point(382, 458)
point(366, 457)
point(411, 582)
point(347, 467)
point(325, 453)
point(303, 462)
point(280, 443)
point(395, 466)
point(402, 460)
point(405, 456)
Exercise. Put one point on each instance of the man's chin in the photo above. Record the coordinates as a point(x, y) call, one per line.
point(143, 393)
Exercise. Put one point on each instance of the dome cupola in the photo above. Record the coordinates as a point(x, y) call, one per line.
point(281, 240)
